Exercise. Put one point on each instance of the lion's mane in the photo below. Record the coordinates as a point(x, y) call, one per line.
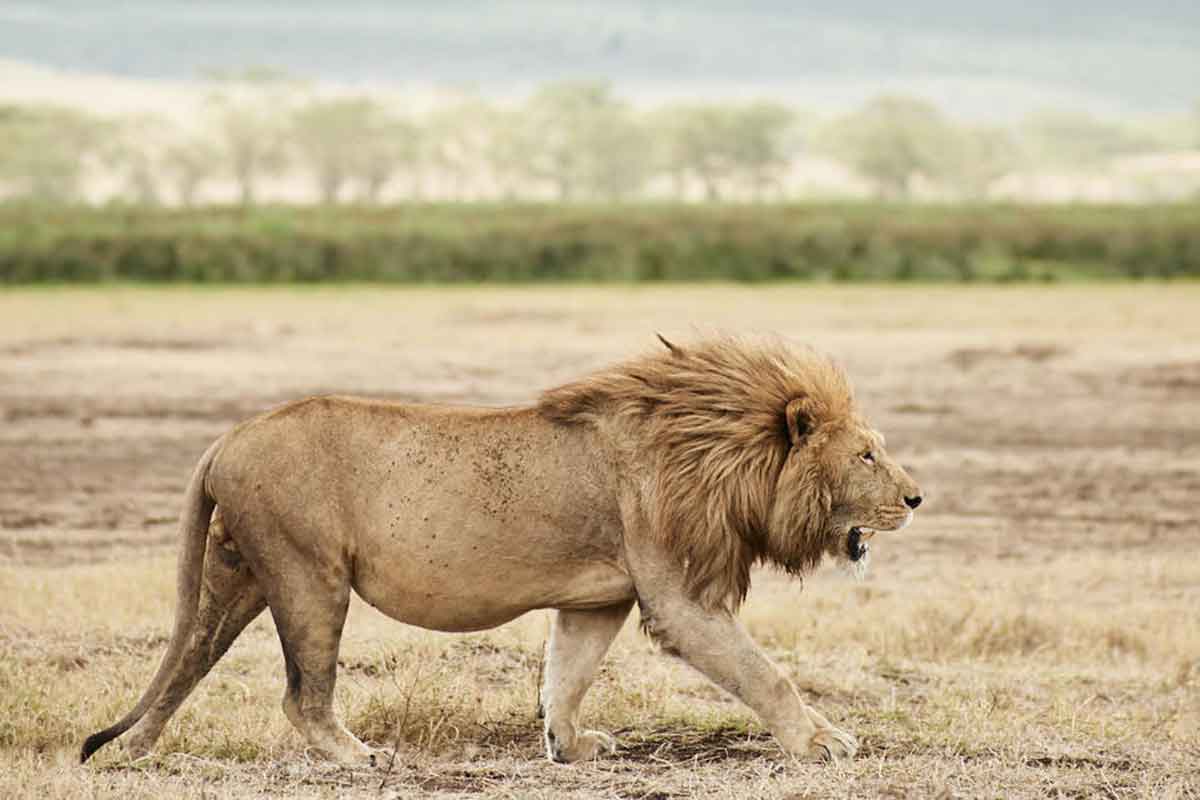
point(710, 422)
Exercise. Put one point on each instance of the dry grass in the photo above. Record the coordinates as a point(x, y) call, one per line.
point(1013, 681)
point(1034, 634)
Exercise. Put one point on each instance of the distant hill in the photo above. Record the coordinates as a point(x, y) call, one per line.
point(974, 59)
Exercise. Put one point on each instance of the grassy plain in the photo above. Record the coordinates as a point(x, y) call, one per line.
point(1035, 633)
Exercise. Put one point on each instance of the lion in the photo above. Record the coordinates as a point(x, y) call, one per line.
point(660, 482)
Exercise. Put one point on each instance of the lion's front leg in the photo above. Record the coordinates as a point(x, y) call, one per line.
point(716, 644)
point(578, 642)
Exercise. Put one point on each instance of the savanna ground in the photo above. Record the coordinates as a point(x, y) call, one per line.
point(1034, 633)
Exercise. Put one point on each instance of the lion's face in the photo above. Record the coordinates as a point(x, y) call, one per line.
point(837, 488)
point(869, 491)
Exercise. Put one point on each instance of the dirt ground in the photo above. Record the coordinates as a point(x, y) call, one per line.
point(1035, 633)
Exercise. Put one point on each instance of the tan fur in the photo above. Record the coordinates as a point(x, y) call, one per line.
point(660, 481)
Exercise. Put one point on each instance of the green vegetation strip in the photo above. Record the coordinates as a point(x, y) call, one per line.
point(625, 243)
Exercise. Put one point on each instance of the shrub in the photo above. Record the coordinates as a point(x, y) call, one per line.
point(531, 243)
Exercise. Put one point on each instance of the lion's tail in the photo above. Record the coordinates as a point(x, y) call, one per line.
point(193, 535)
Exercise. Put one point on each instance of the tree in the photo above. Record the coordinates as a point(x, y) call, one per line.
point(250, 130)
point(757, 145)
point(719, 146)
point(984, 153)
point(511, 152)
point(328, 135)
point(388, 144)
point(694, 140)
point(1077, 140)
point(890, 140)
point(586, 142)
point(558, 115)
point(135, 155)
point(45, 150)
point(617, 156)
point(189, 162)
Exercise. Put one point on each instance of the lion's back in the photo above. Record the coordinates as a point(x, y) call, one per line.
point(372, 462)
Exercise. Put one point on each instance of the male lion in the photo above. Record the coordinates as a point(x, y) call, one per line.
point(659, 481)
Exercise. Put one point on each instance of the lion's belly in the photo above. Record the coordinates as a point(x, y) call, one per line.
point(482, 574)
point(484, 596)
point(460, 550)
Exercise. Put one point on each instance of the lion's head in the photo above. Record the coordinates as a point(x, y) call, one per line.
point(836, 461)
point(755, 452)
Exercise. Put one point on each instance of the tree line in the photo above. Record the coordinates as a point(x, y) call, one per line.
point(568, 142)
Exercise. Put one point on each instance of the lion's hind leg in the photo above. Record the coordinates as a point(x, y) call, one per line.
point(309, 608)
point(230, 599)
point(578, 642)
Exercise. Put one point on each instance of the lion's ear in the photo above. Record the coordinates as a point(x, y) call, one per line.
point(800, 421)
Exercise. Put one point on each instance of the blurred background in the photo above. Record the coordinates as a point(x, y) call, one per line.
point(647, 123)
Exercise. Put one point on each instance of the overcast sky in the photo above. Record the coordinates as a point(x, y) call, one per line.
point(975, 58)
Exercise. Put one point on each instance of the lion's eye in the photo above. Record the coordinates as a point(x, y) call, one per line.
point(868, 457)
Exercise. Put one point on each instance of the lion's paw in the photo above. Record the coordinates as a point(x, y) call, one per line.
point(134, 748)
point(832, 744)
point(587, 745)
point(353, 754)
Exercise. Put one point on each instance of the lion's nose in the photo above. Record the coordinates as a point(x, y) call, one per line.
point(912, 502)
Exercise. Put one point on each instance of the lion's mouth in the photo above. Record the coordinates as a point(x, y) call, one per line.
point(857, 543)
